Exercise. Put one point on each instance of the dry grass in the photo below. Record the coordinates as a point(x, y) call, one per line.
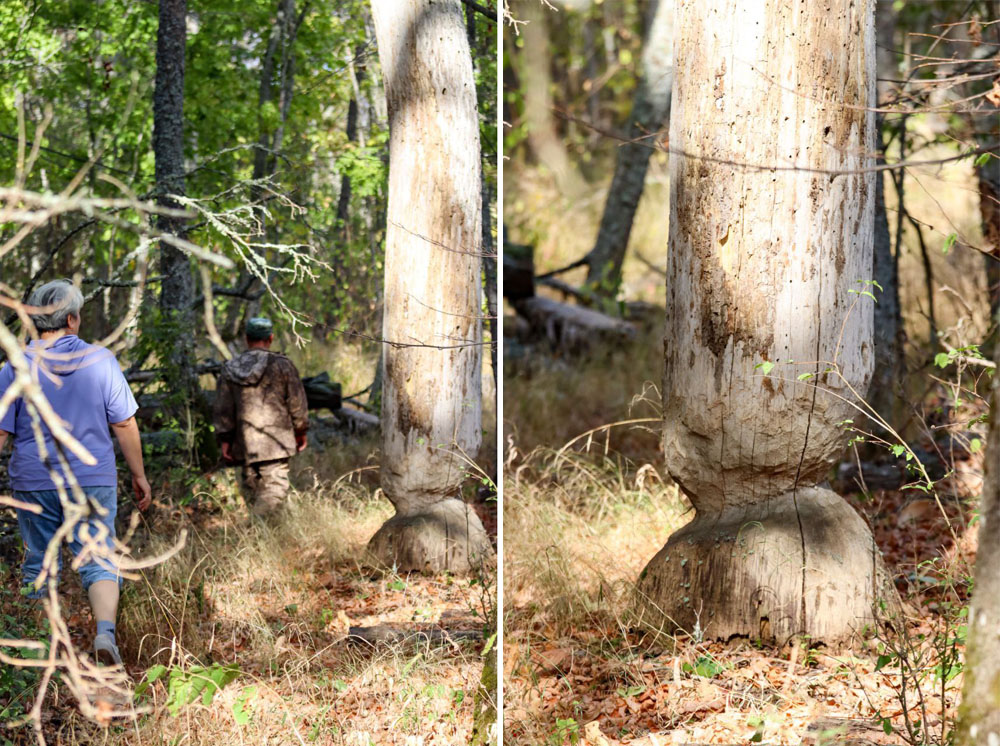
point(579, 527)
point(278, 601)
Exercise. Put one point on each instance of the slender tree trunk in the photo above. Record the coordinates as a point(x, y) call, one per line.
point(979, 713)
point(766, 267)
point(177, 286)
point(279, 57)
point(887, 382)
point(989, 211)
point(432, 401)
point(490, 278)
point(650, 109)
point(532, 61)
point(344, 199)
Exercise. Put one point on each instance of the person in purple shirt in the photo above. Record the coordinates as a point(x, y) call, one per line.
point(87, 390)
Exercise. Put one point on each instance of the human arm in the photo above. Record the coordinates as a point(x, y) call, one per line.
point(224, 417)
point(3, 438)
point(298, 407)
point(127, 433)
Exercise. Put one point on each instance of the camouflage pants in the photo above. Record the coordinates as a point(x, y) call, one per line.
point(266, 484)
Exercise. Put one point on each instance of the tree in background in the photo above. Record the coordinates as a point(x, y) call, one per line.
point(769, 266)
point(432, 402)
point(177, 285)
point(650, 110)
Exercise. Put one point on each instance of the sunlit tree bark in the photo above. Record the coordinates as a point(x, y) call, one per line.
point(979, 713)
point(770, 250)
point(432, 398)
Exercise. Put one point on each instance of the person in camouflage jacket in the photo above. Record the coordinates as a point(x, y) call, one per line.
point(261, 417)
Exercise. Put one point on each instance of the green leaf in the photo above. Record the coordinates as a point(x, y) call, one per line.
point(949, 242)
point(942, 360)
point(765, 367)
point(882, 662)
point(805, 376)
point(887, 726)
point(898, 450)
point(240, 711)
point(976, 445)
point(983, 159)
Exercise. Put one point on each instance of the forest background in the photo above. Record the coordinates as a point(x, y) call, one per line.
point(268, 197)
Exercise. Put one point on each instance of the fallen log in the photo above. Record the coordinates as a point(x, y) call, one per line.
point(383, 635)
point(357, 421)
point(571, 328)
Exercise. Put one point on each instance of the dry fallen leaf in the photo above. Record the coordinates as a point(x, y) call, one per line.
point(593, 735)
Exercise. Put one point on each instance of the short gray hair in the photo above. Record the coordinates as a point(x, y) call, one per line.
point(61, 298)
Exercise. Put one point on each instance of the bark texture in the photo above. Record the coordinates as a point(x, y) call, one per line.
point(767, 265)
point(650, 109)
point(887, 383)
point(979, 713)
point(177, 287)
point(432, 398)
point(989, 211)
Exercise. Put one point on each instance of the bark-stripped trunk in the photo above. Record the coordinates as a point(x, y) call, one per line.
point(432, 400)
point(650, 109)
point(979, 713)
point(766, 265)
point(177, 286)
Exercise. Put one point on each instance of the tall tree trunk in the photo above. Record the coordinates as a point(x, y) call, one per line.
point(432, 401)
point(490, 278)
point(989, 212)
point(767, 265)
point(279, 57)
point(650, 109)
point(344, 199)
point(979, 713)
point(887, 382)
point(532, 62)
point(177, 286)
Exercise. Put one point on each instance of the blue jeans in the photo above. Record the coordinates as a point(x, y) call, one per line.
point(37, 529)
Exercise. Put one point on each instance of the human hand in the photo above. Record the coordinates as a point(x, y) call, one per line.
point(300, 442)
point(143, 492)
point(227, 452)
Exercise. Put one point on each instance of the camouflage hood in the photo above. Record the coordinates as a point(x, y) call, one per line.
point(248, 368)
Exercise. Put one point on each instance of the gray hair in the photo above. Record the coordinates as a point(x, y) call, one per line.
point(60, 298)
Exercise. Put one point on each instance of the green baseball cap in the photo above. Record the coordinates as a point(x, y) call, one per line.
point(259, 328)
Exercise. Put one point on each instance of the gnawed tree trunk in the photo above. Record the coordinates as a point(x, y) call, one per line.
point(650, 109)
point(432, 399)
point(979, 713)
point(765, 265)
point(177, 288)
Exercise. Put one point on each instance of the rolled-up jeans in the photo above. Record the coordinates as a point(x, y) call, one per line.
point(37, 530)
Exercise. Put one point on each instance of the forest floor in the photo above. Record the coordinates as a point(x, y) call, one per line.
point(581, 521)
point(277, 602)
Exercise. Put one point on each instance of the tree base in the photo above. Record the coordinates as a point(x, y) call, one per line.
point(447, 536)
point(801, 563)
